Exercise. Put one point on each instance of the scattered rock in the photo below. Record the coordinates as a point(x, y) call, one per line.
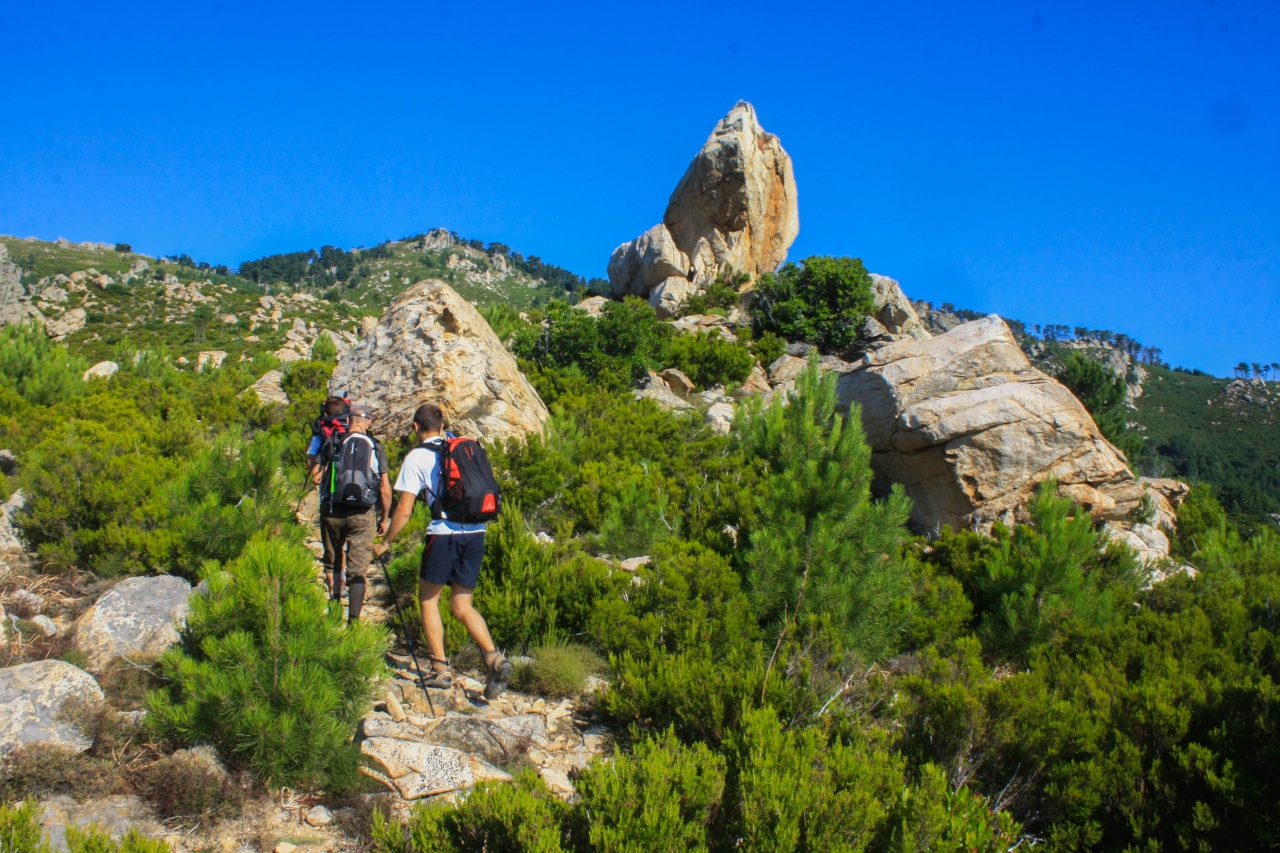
point(210, 358)
point(657, 390)
point(720, 418)
point(786, 368)
point(45, 624)
point(418, 769)
point(285, 847)
point(633, 564)
point(756, 383)
point(32, 697)
point(319, 816)
point(138, 616)
point(115, 815)
point(394, 709)
point(593, 305)
point(557, 780)
point(101, 370)
point(970, 428)
point(68, 324)
point(431, 345)
point(677, 381)
point(269, 389)
point(26, 603)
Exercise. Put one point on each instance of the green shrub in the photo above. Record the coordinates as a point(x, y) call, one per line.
point(622, 344)
point(710, 359)
point(663, 796)
point(824, 549)
point(324, 348)
point(768, 348)
point(823, 301)
point(523, 817)
point(182, 785)
point(557, 670)
point(38, 369)
point(721, 295)
point(1102, 391)
point(266, 676)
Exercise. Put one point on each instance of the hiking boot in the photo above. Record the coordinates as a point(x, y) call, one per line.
point(500, 671)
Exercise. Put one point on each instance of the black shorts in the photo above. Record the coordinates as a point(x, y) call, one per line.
point(452, 558)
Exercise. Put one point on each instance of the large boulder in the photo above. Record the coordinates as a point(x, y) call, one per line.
point(138, 616)
point(735, 208)
point(33, 698)
point(431, 345)
point(971, 429)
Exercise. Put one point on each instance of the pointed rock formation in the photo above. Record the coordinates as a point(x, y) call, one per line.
point(432, 346)
point(735, 207)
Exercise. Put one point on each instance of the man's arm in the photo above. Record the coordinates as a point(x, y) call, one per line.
point(384, 495)
point(399, 518)
point(316, 468)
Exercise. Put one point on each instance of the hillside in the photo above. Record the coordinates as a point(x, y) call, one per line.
point(99, 300)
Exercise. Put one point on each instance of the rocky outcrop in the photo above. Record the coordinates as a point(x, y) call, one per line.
point(431, 345)
point(101, 370)
point(10, 540)
point(894, 311)
point(138, 616)
point(116, 815)
point(68, 324)
point(15, 306)
point(735, 208)
point(33, 697)
point(444, 747)
point(970, 428)
point(269, 389)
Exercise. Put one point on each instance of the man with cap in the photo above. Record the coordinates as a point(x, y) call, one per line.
point(345, 523)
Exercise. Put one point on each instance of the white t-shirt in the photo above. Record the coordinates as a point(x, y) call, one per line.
point(419, 473)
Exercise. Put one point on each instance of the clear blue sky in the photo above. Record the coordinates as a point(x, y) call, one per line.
point(1110, 165)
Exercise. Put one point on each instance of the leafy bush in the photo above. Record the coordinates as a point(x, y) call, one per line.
point(1102, 391)
point(823, 301)
point(39, 370)
point(324, 348)
point(824, 549)
point(622, 344)
point(557, 670)
point(710, 359)
point(664, 796)
point(721, 295)
point(266, 676)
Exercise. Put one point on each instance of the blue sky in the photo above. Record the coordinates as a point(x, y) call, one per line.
point(1109, 165)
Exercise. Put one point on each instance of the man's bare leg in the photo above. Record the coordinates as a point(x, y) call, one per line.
point(460, 601)
point(432, 625)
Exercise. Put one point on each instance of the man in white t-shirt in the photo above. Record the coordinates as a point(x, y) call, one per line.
point(452, 555)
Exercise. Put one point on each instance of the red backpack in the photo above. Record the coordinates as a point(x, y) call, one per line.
point(469, 493)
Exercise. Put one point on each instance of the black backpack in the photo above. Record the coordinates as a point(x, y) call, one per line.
point(469, 493)
point(351, 482)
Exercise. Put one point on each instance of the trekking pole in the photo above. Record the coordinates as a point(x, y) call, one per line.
point(383, 561)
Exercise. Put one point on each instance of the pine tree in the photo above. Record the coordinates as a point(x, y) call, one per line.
point(266, 675)
point(824, 548)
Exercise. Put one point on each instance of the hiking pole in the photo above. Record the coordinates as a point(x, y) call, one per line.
point(384, 561)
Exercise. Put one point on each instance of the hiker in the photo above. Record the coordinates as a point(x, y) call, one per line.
point(355, 489)
point(330, 427)
point(454, 549)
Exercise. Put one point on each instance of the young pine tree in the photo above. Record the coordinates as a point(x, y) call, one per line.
point(823, 548)
point(266, 676)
